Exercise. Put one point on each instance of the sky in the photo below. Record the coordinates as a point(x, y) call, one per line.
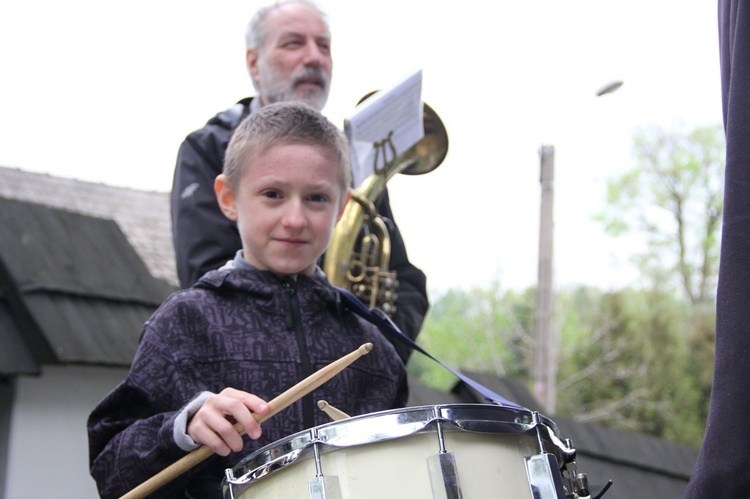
point(106, 92)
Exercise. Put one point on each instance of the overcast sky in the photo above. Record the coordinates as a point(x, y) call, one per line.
point(106, 91)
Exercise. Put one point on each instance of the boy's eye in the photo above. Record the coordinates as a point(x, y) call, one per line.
point(272, 194)
point(318, 198)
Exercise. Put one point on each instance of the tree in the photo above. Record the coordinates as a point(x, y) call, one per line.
point(674, 198)
point(483, 330)
point(627, 362)
point(631, 358)
point(639, 358)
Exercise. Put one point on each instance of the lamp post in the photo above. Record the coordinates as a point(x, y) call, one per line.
point(546, 338)
point(609, 88)
point(545, 348)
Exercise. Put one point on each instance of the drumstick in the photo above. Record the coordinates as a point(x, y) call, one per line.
point(279, 403)
point(333, 413)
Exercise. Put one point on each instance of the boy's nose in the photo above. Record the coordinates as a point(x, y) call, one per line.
point(294, 215)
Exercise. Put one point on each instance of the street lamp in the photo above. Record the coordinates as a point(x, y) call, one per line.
point(545, 355)
point(609, 88)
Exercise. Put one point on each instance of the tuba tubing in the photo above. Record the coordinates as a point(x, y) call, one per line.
point(422, 157)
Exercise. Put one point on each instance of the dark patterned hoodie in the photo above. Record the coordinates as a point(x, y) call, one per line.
point(246, 329)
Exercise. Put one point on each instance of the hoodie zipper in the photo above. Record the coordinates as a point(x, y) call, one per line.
point(293, 321)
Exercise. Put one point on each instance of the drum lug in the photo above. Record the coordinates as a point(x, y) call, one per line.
point(322, 486)
point(229, 483)
point(444, 476)
point(544, 479)
point(325, 487)
point(443, 471)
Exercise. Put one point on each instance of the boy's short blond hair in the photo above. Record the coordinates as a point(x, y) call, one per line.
point(285, 123)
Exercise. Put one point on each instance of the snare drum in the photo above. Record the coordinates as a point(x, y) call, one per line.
point(474, 451)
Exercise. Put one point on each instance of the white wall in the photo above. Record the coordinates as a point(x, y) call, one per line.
point(48, 449)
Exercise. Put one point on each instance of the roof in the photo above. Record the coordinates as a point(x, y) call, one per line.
point(633, 461)
point(75, 289)
point(16, 355)
point(143, 217)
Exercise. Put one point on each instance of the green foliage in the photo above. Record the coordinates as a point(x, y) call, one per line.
point(479, 330)
point(635, 358)
point(634, 364)
point(673, 198)
point(632, 358)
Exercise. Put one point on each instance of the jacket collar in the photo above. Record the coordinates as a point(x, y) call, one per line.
point(265, 284)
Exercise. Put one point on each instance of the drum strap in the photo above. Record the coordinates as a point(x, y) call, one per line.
point(386, 325)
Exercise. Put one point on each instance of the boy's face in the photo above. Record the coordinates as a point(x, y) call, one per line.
point(286, 205)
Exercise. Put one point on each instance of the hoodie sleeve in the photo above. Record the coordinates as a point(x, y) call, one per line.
point(131, 432)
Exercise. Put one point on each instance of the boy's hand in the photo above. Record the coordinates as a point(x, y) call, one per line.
point(213, 424)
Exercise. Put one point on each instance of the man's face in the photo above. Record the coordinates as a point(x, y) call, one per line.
point(294, 63)
point(286, 205)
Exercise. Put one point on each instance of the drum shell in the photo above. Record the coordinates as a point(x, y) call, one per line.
point(385, 454)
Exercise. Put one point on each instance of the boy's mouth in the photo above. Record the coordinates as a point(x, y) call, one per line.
point(291, 241)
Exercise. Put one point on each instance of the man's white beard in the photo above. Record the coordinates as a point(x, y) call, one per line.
point(276, 90)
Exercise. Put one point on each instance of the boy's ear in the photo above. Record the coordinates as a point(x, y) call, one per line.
point(225, 197)
point(344, 202)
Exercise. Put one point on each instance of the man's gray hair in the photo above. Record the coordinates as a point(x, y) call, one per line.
point(255, 32)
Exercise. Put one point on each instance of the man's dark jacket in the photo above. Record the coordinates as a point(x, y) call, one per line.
point(204, 239)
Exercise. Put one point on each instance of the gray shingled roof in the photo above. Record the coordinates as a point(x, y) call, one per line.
point(16, 356)
point(78, 290)
point(143, 217)
point(639, 465)
point(82, 266)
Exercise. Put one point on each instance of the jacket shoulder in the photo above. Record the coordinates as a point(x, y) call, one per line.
point(230, 118)
point(219, 128)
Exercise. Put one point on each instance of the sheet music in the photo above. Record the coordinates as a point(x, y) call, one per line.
point(386, 124)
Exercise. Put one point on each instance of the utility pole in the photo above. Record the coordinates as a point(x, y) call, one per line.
point(545, 339)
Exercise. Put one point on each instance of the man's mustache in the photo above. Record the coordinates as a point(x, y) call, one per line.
point(312, 75)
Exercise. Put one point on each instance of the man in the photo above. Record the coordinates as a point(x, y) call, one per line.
point(289, 58)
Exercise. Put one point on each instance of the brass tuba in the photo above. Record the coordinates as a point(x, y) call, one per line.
point(365, 270)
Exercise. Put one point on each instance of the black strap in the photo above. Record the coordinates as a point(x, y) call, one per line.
point(386, 325)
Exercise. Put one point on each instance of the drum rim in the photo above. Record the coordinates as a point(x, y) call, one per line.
point(284, 452)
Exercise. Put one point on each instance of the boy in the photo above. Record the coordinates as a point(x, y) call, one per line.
point(212, 354)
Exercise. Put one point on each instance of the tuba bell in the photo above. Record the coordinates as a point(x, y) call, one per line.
point(364, 268)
